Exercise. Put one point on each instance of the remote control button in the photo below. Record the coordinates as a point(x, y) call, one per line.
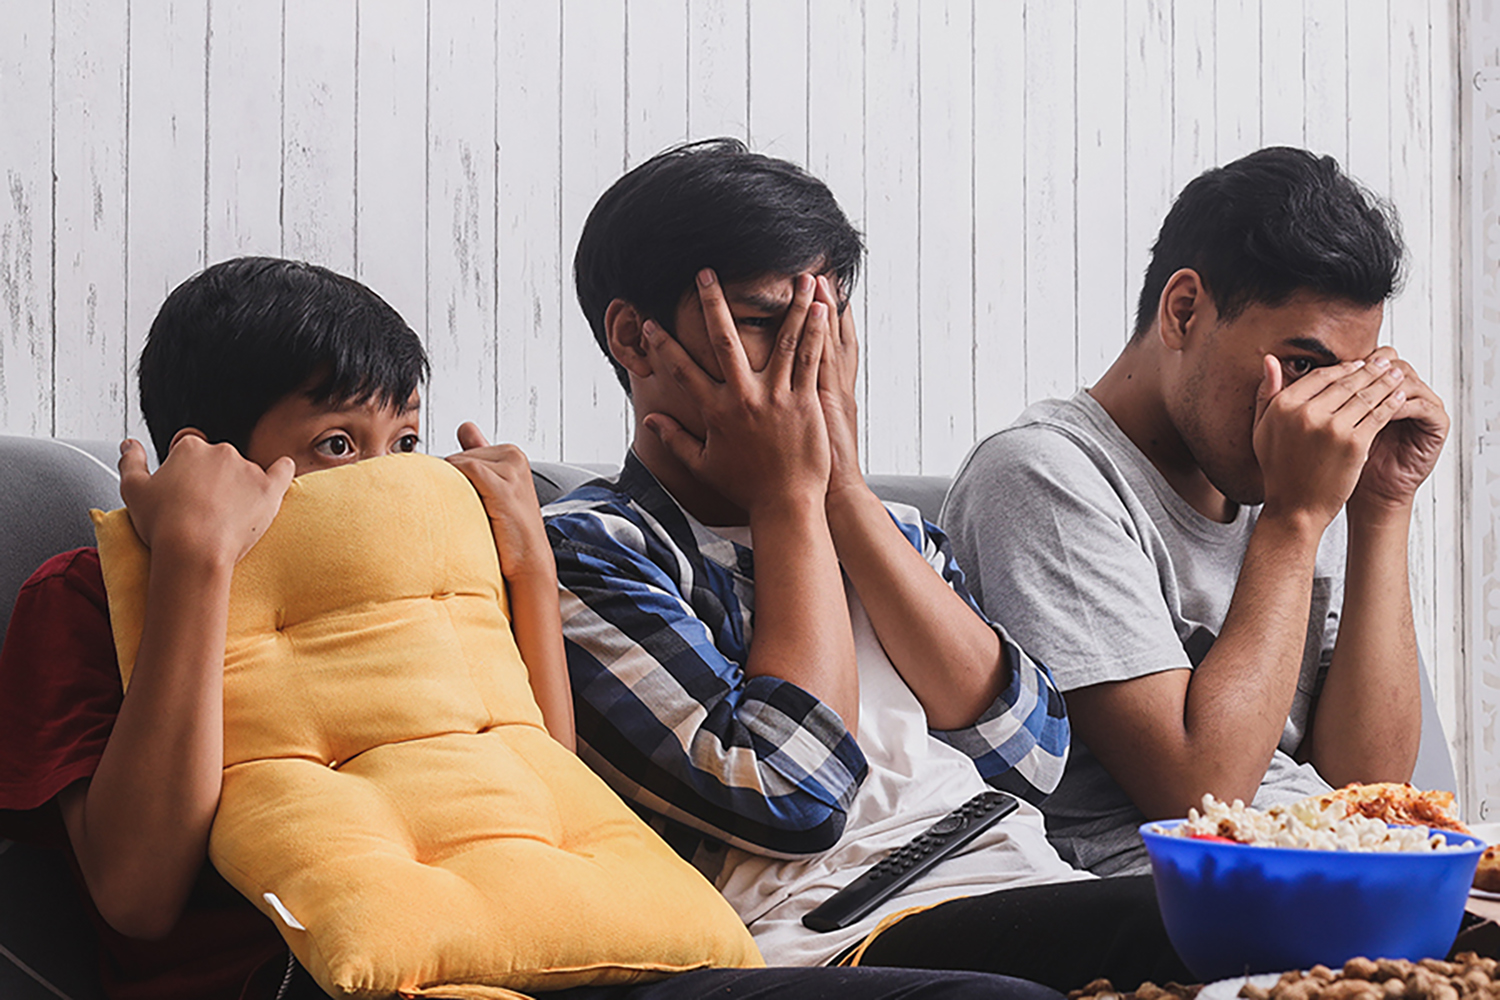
point(949, 824)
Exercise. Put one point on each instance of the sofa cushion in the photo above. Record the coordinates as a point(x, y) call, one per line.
point(390, 797)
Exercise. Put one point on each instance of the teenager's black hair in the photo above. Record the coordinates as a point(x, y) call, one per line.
point(706, 204)
point(231, 342)
point(1271, 224)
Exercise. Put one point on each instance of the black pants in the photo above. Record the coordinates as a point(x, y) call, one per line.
point(784, 984)
point(1061, 935)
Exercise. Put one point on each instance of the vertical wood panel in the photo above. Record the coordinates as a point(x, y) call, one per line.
point(594, 425)
point(92, 46)
point(1102, 295)
point(166, 168)
point(946, 275)
point(1148, 130)
point(1000, 265)
point(461, 193)
point(1326, 100)
point(889, 325)
point(535, 285)
point(656, 77)
point(1051, 322)
point(1236, 79)
point(390, 161)
point(1281, 73)
point(836, 109)
point(1369, 118)
point(1411, 190)
point(318, 192)
point(390, 158)
point(1193, 99)
point(1445, 651)
point(244, 131)
point(718, 68)
point(26, 221)
point(779, 51)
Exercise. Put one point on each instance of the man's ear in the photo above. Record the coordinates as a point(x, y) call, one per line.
point(622, 326)
point(1182, 299)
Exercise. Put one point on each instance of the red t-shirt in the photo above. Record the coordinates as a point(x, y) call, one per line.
point(59, 695)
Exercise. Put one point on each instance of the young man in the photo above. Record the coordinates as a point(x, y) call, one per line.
point(787, 674)
point(1159, 539)
point(255, 371)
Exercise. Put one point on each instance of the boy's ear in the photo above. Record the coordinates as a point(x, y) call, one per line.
point(1182, 299)
point(622, 326)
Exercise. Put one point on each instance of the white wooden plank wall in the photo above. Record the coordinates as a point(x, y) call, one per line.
point(1009, 161)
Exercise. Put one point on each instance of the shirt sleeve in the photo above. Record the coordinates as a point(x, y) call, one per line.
point(671, 721)
point(59, 683)
point(1054, 554)
point(1020, 743)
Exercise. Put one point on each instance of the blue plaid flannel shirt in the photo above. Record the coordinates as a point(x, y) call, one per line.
point(657, 613)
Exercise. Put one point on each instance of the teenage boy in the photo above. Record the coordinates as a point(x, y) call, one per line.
point(1208, 547)
point(785, 673)
point(255, 371)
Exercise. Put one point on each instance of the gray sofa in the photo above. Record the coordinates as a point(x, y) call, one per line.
point(47, 487)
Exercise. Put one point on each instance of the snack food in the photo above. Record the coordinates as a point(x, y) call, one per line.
point(1399, 803)
point(1316, 823)
point(1487, 875)
point(1468, 976)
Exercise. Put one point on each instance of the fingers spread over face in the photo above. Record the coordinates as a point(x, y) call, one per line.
point(723, 338)
point(809, 352)
point(793, 327)
point(667, 355)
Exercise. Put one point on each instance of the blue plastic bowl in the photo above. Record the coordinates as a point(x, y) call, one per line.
point(1233, 909)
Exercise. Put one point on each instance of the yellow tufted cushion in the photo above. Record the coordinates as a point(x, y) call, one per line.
point(387, 779)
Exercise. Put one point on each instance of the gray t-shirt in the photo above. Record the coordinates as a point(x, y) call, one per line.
point(1073, 541)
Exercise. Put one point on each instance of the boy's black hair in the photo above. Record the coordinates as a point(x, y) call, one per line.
point(706, 204)
point(1271, 224)
point(231, 342)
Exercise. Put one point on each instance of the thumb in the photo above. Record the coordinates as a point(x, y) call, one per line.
point(132, 459)
point(470, 436)
point(281, 473)
point(687, 449)
point(132, 466)
point(1270, 385)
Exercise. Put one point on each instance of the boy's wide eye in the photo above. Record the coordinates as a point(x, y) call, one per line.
point(335, 446)
point(407, 443)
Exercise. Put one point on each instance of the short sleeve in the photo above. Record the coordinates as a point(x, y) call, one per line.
point(59, 682)
point(1055, 556)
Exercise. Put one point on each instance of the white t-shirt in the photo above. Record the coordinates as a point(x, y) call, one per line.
point(913, 781)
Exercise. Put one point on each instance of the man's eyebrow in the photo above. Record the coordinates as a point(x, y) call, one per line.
point(1313, 345)
point(763, 301)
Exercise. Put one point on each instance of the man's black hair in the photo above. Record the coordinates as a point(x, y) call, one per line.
point(231, 342)
point(706, 204)
point(1272, 224)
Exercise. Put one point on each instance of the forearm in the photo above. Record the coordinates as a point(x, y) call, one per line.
point(1368, 722)
point(536, 624)
point(1239, 695)
point(802, 631)
point(950, 658)
point(140, 830)
point(1169, 737)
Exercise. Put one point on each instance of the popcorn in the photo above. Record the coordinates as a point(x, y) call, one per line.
point(1309, 824)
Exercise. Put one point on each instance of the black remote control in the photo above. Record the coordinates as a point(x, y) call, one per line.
point(898, 869)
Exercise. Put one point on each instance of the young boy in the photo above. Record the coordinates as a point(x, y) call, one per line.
point(255, 371)
point(788, 674)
